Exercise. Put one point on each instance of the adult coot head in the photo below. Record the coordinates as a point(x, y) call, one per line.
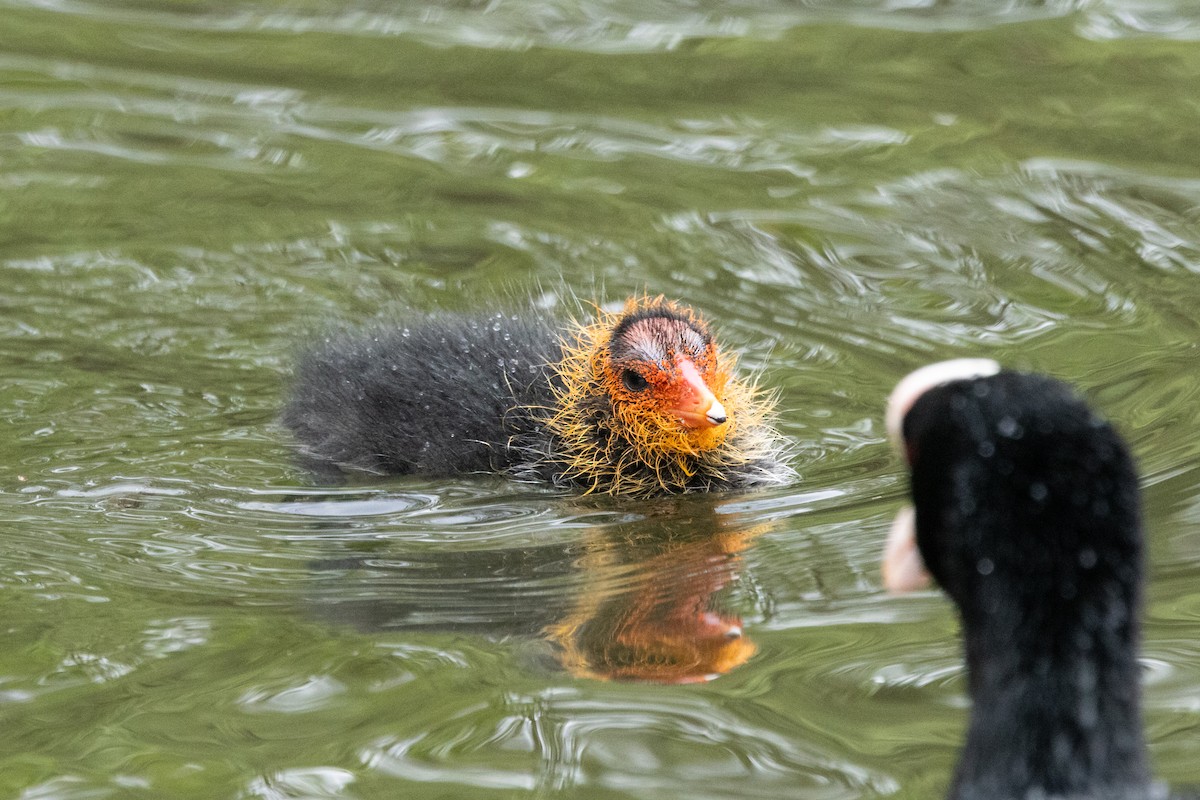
point(1027, 515)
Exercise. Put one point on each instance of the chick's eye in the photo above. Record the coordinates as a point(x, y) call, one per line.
point(633, 380)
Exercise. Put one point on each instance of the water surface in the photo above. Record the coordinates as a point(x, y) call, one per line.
point(847, 190)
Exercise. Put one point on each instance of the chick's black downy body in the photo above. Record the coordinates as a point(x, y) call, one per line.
point(444, 396)
point(624, 405)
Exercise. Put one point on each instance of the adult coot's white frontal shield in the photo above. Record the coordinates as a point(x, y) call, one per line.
point(919, 381)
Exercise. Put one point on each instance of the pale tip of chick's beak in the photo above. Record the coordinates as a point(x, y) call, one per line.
point(716, 413)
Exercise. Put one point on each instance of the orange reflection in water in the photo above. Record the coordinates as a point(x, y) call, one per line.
point(663, 623)
point(646, 600)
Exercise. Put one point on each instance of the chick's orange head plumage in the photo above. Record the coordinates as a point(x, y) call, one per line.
point(647, 403)
point(664, 376)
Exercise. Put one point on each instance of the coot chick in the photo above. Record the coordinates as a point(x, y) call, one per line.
point(639, 402)
point(1027, 514)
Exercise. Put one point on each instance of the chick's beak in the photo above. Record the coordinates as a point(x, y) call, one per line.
point(697, 407)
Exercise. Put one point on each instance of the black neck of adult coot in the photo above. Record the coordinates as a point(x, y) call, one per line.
point(1055, 690)
point(1028, 515)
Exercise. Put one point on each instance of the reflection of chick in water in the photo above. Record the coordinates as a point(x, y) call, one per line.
point(640, 601)
point(662, 624)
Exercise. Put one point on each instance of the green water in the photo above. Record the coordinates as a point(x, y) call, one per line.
point(191, 189)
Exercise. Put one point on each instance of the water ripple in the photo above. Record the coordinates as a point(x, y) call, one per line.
point(571, 739)
point(616, 26)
